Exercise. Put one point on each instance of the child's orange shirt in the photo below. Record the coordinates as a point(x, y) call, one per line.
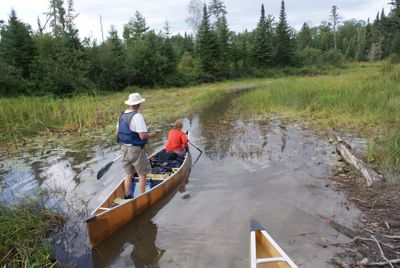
point(177, 141)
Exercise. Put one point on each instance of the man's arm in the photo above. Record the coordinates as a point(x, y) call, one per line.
point(146, 135)
point(141, 128)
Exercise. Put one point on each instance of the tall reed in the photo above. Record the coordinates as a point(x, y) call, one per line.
point(23, 231)
point(364, 101)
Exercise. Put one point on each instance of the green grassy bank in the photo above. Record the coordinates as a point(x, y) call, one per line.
point(24, 117)
point(365, 100)
point(23, 231)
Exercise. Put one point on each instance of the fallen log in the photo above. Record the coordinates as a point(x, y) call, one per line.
point(368, 173)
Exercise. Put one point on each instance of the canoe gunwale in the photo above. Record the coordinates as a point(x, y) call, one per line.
point(104, 213)
point(255, 228)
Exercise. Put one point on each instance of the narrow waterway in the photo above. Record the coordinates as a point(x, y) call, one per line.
point(270, 170)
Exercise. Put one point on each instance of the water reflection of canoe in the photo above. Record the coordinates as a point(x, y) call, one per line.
point(264, 251)
point(114, 211)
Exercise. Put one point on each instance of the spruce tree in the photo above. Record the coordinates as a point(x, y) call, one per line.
point(16, 44)
point(335, 23)
point(223, 36)
point(71, 32)
point(304, 38)
point(109, 72)
point(217, 9)
point(396, 9)
point(188, 43)
point(263, 50)
point(284, 46)
point(207, 46)
point(170, 62)
point(135, 28)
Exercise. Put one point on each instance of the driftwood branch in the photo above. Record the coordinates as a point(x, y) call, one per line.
point(381, 251)
point(367, 239)
point(382, 263)
point(340, 263)
point(368, 173)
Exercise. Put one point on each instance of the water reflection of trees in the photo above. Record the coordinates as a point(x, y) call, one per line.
point(226, 132)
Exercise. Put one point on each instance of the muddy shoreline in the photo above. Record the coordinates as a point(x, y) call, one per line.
point(379, 223)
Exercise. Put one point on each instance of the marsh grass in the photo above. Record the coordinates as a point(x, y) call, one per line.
point(25, 117)
point(24, 229)
point(365, 100)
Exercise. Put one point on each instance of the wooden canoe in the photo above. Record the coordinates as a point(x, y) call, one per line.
point(264, 251)
point(114, 212)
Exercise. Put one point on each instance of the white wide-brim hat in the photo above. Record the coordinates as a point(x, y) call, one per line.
point(134, 99)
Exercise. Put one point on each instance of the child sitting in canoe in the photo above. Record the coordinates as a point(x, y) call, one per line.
point(177, 141)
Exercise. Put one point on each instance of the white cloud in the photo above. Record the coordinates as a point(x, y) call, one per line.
point(241, 14)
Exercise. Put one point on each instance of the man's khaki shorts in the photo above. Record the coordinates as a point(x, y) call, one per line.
point(134, 158)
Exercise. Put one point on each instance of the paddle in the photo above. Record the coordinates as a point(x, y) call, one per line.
point(103, 170)
point(187, 133)
point(195, 147)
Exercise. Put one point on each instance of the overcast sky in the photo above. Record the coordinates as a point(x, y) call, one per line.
point(241, 14)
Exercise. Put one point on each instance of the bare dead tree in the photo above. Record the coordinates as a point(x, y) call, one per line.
point(195, 9)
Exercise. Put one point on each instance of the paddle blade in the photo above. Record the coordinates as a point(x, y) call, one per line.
point(104, 170)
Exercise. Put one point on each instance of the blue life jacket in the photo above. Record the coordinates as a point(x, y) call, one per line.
point(125, 134)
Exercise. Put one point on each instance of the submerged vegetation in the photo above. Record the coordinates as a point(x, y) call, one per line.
point(364, 101)
point(23, 232)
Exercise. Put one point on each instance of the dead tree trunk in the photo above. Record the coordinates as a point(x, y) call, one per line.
point(368, 173)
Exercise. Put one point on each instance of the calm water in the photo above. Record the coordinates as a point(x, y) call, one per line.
point(275, 172)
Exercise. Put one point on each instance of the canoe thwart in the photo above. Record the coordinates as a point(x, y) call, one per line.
point(268, 260)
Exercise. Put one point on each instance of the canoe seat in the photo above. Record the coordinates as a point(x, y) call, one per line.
point(158, 176)
point(120, 201)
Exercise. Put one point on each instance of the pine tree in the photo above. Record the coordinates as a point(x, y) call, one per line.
point(207, 46)
point(223, 36)
point(71, 32)
point(304, 38)
point(135, 28)
point(368, 40)
point(396, 9)
point(110, 73)
point(284, 46)
point(188, 43)
point(217, 9)
point(262, 49)
point(167, 51)
point(335, 23)
point(16, 44)
point(56, 15)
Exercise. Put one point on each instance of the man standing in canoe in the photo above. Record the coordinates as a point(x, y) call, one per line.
point(133, 135)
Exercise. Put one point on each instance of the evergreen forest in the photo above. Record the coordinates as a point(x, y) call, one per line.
point(53, 60)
